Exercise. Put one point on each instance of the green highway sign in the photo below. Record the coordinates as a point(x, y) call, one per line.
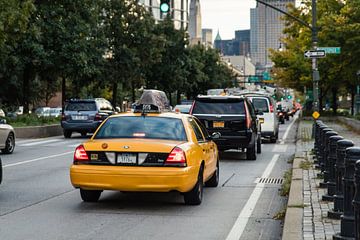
point(330, 50)
point(253, 79)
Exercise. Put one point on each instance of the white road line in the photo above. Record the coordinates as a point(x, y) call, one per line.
point(280, 148)
point(241, 221)
point(288, 130)
point(39, 142)
point(37, 159)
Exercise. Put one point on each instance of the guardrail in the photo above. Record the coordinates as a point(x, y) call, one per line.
point(38, 131)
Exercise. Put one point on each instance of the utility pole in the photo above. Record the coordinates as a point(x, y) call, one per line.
point(313, 28)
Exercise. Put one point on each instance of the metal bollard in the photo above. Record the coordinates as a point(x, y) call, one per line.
point(320, 147)
point(319, 123)
point(323, 154)
point(330, 167)
point(348, 219)
point(341, 147)
point(356, 201)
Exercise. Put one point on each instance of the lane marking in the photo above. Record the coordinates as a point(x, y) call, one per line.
point(24, 140)
point(288, 129)
point(241, 221)
point(39, 143)
point(280, 148)
point(37, 159)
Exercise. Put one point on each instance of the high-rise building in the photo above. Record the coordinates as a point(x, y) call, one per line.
point(195, 22)
point(240, 45)
point(243, 39)
point(179, 11)
point(207, 37)
point(266, 30)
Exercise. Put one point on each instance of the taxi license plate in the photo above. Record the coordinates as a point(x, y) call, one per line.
point(218, 124)
point(79, 117)
point(128, 158)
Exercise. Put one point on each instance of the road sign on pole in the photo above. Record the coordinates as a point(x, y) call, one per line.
point(314, 54)
point(330, 50)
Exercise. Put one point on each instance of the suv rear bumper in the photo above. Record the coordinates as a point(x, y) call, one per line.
point(233, 142)
point(81, 126)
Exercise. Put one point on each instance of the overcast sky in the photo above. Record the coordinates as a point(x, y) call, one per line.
point(226, 15)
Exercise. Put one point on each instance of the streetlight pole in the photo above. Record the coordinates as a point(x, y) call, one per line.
point(313, 28)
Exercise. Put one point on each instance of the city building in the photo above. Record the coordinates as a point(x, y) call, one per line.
point(207, 37)
point(240, 45)
point(179, 12)
point(242, 66)
point(195, 33)
point(266, 30)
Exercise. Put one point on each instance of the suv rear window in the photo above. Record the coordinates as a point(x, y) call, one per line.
point(80, 106)
point(143, 127)
point(261, 104)
point(219, 106)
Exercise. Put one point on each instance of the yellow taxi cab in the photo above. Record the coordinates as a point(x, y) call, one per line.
point(148, 150)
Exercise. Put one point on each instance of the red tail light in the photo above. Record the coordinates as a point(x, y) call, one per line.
point(63, 117)
point(248, 118)
point(176, 158)
point(97, 117)
point(80, 154)
point(271, 108)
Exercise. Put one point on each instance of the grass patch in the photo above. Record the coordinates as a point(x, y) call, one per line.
point(280, 215)
point(306, 165)
point(285, 187)
point(32, 120)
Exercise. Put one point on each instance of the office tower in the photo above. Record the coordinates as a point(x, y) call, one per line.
point(195, 22)
point(207, 37)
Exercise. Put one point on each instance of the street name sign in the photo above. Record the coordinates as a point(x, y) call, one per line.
point(314, 54)
point(330, 50)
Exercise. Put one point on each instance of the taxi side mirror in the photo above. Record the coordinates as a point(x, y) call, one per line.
point(215, 135)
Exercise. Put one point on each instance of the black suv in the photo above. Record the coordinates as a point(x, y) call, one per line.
point(234, 118)
point(84, 115)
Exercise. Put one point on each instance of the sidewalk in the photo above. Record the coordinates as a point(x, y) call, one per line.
point(308, 196)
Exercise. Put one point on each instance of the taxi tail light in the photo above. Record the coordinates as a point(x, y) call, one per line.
point(176, 158)
point(80, 154)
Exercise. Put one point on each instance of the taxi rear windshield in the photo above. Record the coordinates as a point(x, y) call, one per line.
point(143, 127)
point(219, 106)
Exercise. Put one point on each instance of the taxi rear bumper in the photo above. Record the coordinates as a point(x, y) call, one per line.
point(141, 179)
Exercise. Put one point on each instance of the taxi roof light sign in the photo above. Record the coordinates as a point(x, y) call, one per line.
point(316, 115)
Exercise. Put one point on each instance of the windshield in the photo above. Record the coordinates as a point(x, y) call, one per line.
point(143, 127)
point(81, 106)
point(261, 104)
point(219, 107)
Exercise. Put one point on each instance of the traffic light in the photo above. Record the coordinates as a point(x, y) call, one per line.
point(165, 6)
point(289, 97)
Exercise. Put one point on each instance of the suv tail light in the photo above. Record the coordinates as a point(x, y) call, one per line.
point(80, 154)
point(247, 117)
point(97, 117)
point(63, 117)
point(176, 158)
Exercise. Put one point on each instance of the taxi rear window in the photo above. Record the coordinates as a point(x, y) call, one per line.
point(143, 127)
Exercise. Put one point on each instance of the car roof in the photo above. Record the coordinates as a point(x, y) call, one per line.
point(174, 115)
point(219, 97)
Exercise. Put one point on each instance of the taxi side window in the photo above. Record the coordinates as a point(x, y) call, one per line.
point(196, 129)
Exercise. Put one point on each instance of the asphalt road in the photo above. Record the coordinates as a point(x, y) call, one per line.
point(38, 202)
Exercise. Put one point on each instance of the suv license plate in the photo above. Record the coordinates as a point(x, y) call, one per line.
point(79, 117)
point(218, 124)
point(128, 158)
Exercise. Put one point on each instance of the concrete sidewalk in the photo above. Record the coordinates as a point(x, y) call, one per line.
point(306, 216)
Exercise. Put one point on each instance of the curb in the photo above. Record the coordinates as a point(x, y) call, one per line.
point(38, 131)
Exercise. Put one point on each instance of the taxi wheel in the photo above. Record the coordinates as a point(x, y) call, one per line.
point(214, 180)
point(194, 196)
point(9, 144)
point(90, 195)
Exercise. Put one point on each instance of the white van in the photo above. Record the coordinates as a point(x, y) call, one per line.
point(267, 105)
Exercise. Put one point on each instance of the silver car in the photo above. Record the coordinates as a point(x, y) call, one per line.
point(7, 137)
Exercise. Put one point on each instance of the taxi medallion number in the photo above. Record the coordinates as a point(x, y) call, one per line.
point(316, 115)
point(218, 124)
point(128, 158)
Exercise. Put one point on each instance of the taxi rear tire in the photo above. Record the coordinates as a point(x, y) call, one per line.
point(90, 195)
point(214, 180)
point(195, 195)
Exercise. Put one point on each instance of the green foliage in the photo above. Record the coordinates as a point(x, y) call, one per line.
point(32, 120)
point(285, 187)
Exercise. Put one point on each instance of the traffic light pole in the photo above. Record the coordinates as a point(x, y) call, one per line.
point(313, 28)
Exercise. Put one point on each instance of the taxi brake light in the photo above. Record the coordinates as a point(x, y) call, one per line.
point(176, 157)
point(80, 154)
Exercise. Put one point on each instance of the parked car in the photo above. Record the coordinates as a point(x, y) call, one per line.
point(269, 121)
point(234, 118)
point(55, 112)
point(151, 149)
point(43, 112)
point(7, 137)
point(2, 113)
point(84, 115)
point(183, 108)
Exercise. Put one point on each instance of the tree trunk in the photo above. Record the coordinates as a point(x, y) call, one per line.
point(334, 100)
point(352, 102)
point(63, 92)
point(25, 90)
point(178, 97)
point(114, 94)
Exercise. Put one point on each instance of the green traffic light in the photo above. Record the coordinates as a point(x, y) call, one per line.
point(164, 7)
